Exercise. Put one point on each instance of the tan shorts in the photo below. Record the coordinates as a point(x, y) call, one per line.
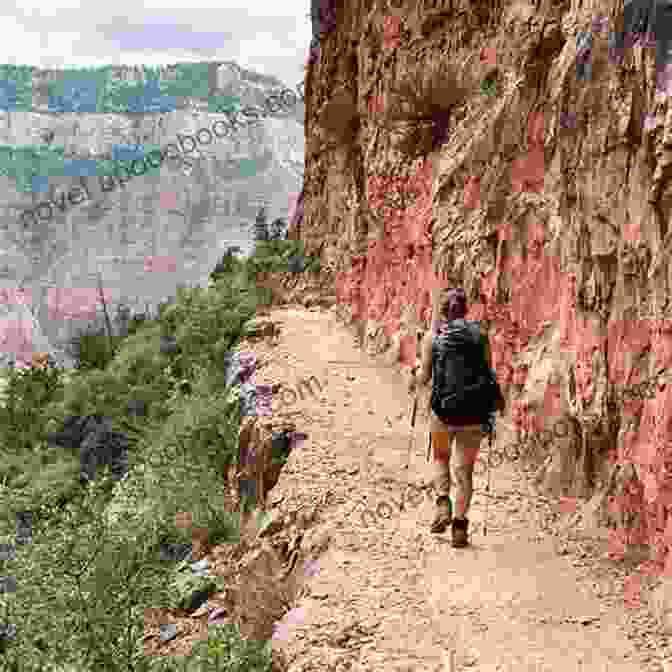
point(467, 442)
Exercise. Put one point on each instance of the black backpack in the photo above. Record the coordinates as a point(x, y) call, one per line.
point(462, 382)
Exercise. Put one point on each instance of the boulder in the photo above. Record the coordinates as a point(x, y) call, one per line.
point(168, 345)
point(296, 263)
point(137, 408)
point(174, 552)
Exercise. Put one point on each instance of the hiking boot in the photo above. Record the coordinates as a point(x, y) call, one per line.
point(460, 537)
point(444, 514)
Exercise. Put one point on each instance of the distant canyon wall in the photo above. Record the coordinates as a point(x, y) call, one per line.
point(188, 215)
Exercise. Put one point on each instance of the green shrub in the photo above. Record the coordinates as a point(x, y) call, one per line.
point(208, 323)
point(273, 257)
point(81, 593)
point(92, 348)
point(181, 467)
point(184, 582)
point(90, 393)
point(94, 563)
point(226, 650)
point(27, 392)
point(136, 323)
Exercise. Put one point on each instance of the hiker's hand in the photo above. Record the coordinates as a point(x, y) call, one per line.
point(413, 378)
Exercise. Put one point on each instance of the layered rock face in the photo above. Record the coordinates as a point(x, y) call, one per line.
point(469, 144)
point(182, 217)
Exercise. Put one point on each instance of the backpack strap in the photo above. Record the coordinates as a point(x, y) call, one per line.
point(474, 328)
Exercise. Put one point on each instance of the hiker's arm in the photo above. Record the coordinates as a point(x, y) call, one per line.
point(486, 349)
point(425, 372)
point(488, 359)
point(422, 371)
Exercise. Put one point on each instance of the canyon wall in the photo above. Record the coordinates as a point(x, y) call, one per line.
point(181, 217)
point(468, 143)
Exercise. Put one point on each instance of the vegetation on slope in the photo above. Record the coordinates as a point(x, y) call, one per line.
point(93, 565)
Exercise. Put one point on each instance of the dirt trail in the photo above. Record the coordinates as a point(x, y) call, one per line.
point(390, 595)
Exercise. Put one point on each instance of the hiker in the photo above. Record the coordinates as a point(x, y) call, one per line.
point(453, 357)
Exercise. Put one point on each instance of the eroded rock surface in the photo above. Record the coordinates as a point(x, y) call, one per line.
point(547, 199)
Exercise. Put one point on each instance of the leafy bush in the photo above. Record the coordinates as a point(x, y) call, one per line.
point(184, 583)
point(273, 257)
point(224, 649)
point(81, 593)
point(136, 323)
point(91, 348)
point(228, 264)
point(181, 467)
point(27, 392)
point(95, 393)
point(208, 323)
point(228, 651)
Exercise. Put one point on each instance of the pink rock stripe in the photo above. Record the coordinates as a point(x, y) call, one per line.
point(15, 296)
point(160, 264)
point(168, 200)
point(488, 56)
point(293, 202)
point(16, 339)
point(472, 192)
point(295, 616)
point(74, 302)
point(391, 31)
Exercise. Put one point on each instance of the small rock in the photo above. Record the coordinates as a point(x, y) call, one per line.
point(168, 631)
point(7, 584)
point(7, 552)
point(7, 631)
point(168, 345)
point(198, 597)
point(175, 552)
point(217, 615)
point(296, 264)
point(24, 523)
point(199, 566)
point(201, 611)
point(137, 408)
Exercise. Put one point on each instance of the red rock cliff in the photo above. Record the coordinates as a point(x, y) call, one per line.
point(454, 140)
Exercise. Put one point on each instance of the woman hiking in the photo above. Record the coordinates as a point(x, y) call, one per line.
point(456, 357)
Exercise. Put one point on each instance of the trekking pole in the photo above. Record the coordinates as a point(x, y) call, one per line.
point(410, 438)
point(491, 433)
point(429, 428)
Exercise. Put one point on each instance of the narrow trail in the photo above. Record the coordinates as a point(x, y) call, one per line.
point(391, 596)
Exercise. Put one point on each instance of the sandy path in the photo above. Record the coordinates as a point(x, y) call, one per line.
point(391, 596)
